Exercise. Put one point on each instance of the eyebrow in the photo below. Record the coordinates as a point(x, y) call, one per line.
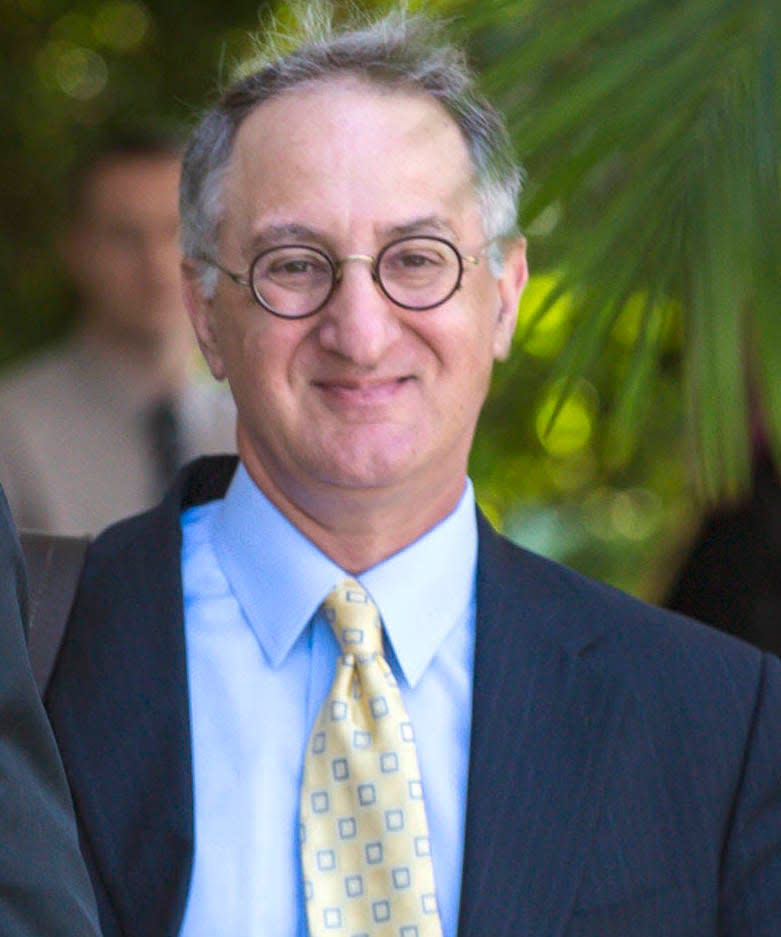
point(427, 223)
point(287, 231)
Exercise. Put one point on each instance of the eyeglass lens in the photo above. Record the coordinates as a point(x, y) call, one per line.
point(415, 272)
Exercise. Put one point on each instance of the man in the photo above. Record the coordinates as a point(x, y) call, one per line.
point(559, 759)
point(94, 429)
point(44, 888)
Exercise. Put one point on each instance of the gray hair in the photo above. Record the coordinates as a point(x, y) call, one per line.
point(400, 50)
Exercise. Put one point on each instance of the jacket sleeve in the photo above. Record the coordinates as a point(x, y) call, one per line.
point(44, 888)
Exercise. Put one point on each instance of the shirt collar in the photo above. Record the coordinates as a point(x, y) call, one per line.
point(280, 578)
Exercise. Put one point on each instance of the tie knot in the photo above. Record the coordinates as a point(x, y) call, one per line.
point(354, 619)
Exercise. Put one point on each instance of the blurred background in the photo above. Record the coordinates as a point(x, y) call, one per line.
point(648, 359)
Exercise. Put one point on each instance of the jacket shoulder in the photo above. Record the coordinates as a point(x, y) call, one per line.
point(599, 621)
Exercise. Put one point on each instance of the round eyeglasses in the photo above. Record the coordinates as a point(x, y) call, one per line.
point(296, 280)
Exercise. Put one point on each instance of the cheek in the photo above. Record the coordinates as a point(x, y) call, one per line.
point(466, 345)
point(473, 361)
point(261, 362)
point(460, 378)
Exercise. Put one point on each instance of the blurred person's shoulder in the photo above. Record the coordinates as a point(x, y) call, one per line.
point(152, 538)
point(39, 378)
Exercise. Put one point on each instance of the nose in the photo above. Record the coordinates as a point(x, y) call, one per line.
point(359, 323)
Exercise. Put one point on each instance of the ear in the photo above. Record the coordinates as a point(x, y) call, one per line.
point(202, 314)
point(510, 285)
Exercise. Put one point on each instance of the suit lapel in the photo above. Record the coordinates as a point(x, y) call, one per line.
point(544, 719)
point(122, 675)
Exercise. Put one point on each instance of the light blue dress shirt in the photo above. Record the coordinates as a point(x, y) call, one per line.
point(261, 658)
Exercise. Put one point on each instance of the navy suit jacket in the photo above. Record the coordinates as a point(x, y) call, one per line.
point(44, 889)
point(625, 767)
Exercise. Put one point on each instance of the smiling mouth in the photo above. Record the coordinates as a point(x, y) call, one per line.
point(363, 392)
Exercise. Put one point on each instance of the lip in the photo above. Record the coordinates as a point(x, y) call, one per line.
point(366, 393)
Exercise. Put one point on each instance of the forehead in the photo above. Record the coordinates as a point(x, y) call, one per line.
point(349, 153)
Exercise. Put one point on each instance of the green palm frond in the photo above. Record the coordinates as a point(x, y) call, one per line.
point(650, 132)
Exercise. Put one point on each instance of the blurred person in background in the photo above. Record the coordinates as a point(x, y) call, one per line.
point(44, 888)
point(94, 429)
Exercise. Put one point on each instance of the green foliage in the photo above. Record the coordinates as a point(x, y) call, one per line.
point(650, 129)
point(603, 486)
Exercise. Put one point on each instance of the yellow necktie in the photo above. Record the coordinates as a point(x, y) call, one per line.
point(364, 837)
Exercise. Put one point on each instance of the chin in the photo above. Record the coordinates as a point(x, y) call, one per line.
point(368, 470)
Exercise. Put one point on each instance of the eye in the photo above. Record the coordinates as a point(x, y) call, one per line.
point(293, 265)
point(412, 258)
point(416, 264)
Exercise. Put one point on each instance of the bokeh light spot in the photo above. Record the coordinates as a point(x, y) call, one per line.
point(633, 514)
point(573, 425)
point(122, 24)
point(626, 329)
point(545, 337)
point(636, 513)
point(81, 73)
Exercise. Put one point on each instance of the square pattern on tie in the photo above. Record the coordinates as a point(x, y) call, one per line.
point(364, 838)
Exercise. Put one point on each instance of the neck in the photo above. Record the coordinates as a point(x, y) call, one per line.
point(358, 527)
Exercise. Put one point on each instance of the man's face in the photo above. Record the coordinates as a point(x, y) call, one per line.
point(123, 251)
point(364, 394)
